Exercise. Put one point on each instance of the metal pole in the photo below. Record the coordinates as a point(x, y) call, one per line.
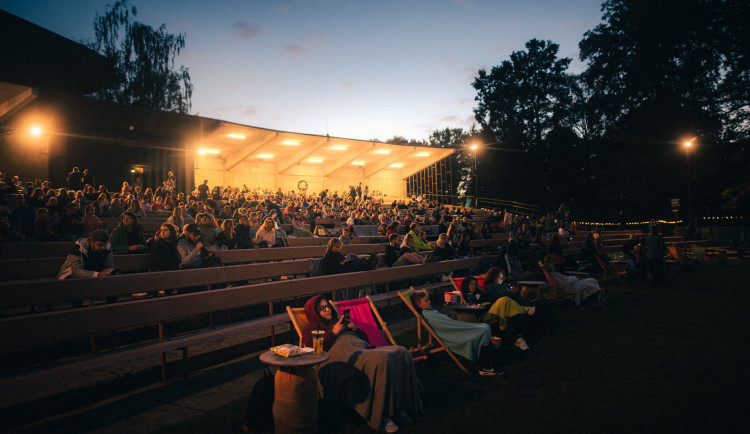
point(690, 196)
point(476, 182)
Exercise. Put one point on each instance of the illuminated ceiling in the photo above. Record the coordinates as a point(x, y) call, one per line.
point(239, 143)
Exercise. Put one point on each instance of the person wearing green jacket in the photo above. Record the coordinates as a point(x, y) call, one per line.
point(419, 243)
point(128, 236)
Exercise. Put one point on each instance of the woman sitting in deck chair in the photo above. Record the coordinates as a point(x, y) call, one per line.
point(379, 383)
point(467, 339)
point(583, 289)
point(512, 319)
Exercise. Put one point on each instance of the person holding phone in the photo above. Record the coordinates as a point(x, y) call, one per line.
point(379, 383)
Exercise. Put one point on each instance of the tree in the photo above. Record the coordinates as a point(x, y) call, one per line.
point(401, 140)
point(525, 97)
point(659, 72)
point(144, 61)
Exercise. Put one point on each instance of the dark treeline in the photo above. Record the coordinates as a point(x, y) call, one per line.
point(658, 73)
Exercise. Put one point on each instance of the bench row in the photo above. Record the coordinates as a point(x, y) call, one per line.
point(29, 331)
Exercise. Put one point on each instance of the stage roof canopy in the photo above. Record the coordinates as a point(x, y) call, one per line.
point(239, 143)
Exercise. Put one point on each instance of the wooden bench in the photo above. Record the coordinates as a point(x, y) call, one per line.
point(29, 331)
point(17, 269)
point(58, 291)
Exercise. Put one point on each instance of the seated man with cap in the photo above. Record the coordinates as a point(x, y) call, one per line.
point(192, 251)
point(89, 257)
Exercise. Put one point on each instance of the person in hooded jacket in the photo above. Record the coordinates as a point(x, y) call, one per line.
point(379, 383)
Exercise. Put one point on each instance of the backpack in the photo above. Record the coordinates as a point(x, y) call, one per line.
point(258, 413)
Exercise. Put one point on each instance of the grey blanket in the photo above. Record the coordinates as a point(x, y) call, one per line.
point(376, 382)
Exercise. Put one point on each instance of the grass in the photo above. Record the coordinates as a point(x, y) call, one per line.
point(655, 360)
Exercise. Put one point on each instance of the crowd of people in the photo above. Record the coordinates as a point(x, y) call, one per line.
point(200, 223)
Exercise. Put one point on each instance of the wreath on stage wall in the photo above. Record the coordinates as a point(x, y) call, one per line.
point(302, 185)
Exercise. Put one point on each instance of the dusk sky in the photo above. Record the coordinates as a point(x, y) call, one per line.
point(361, 69)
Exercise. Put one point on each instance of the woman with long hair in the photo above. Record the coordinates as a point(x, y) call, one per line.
point(164, 254)
point(177, 217)
point(128, 237)
point(334, 262)
point(226, 239)
point(379, 383)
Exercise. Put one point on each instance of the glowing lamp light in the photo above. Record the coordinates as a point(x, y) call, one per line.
point(358, 163)
point(290, 142)
point(338, 148)
point(267, 156)
point(383, 151)
point(422, 154)
point(473, 147)
point(36, 131)
point(209, 151)
point(236, 136)
point(688, 144)
point(315, 160)
point(396, 165)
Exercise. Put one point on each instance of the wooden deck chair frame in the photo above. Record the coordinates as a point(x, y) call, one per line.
point(456, 288)
point(428, 347)
point(299, 320)
point(376, 315)
point(607, 269)
point(683, 259)
point(557, 292)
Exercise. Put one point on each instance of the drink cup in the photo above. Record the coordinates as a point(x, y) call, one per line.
point(318, 341)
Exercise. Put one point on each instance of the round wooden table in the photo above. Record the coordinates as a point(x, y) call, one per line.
point(295, 404)
point(619, 266)
point(468, 312)
point(530, 288)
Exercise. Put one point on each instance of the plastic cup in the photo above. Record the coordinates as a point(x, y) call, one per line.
point(318, 341)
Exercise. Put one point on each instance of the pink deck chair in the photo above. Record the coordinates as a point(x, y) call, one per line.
point(361, 312)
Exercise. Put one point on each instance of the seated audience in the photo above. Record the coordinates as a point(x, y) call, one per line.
point(298, 227)
point(346, 235)
point(582, 288)
point(128, 236)
point(334, 262)
point(193, 253)
point(419, 243)
point(266, 235)
point(90, 221)
point(226, 239)
point(379, 383)
point(101, 206)
point(495, 285)
point(242, 233)
point(42, 230)
point(510, 317)
point(69, 225)
point(396, 256)
point(135, 208)
point(90, 257)
point(164, 253)
point(443, 250)
point(115, 208)
point(178, 218)
point(207, 226)
point(467, 339)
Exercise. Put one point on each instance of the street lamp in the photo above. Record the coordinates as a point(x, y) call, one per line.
point(688, 145)
point(474, 148)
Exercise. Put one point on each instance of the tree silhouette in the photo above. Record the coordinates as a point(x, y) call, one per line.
point(144, 61)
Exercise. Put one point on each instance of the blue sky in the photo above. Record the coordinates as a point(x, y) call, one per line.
point(360, 69)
